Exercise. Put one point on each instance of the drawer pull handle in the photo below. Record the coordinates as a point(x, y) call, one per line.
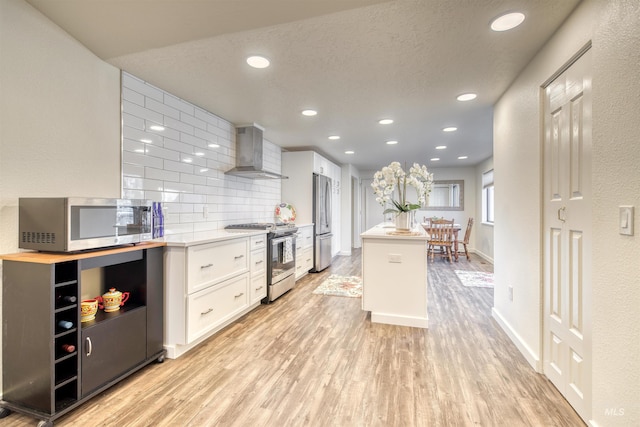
point(206, 266)
point(259, 262)
point(89, 346)
point(239, 256)
point(258, 288)
point(239, 295)
point(259, 242)
point(206, 312)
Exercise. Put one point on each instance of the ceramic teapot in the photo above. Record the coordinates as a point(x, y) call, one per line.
point(113, 300)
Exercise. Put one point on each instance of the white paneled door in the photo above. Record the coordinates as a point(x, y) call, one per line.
point(567, 233)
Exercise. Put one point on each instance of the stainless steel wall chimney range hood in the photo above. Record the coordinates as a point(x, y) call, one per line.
point(250, 156)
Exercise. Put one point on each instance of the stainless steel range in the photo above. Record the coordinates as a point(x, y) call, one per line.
point(281, 256)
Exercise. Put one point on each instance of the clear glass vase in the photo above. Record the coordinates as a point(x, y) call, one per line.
point(403, 221)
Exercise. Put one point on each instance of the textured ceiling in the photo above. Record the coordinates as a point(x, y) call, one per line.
point(355, 61)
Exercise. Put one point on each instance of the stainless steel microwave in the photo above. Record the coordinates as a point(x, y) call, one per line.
point(68, 224)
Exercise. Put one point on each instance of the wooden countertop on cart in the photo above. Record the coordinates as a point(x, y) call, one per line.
point(56, 257)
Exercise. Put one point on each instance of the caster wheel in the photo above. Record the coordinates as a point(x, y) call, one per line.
point(45, 424)
point(160, 359)
point(4, 412)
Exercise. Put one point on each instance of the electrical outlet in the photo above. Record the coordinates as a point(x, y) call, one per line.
point(510, 293)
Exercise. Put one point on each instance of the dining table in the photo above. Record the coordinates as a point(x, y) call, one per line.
point(456, 230)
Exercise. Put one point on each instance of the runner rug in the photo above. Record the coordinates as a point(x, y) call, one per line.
point(341, 286)
point(477, 279)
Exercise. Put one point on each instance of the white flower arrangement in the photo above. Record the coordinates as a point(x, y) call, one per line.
point(392, 177)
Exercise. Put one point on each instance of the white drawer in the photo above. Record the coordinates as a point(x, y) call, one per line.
point(304, 262)
point(258, 262)
point(258, 242)
point(307, 258)
point(306, 238)
point(258, 288)
point(214, 262)
point(212, 306)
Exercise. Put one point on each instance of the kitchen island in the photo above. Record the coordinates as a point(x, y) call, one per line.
point(394, 275)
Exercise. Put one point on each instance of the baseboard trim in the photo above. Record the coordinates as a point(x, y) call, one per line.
point(399, 320)
point(531, 357)
point(483, 255)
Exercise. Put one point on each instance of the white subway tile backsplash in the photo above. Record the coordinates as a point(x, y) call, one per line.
point(178, 166)
point(132, 121)
point(161, 152)
point(178, 125)
point(129, 169)
point(161, 108)
point(137, 85)
point(179, 104)
point(193, 140)
point(158, 171)
point(178, 187)
point(161, 174)
point(142, 112)
point(132, 96)
point(141, 159)
point(192, 179)
point(193, 121)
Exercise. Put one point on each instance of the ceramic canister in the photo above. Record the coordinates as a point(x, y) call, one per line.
point(113, 299)
point(88, 309)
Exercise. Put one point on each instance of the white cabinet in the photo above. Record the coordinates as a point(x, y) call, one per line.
point(299, 166)
point(321, 165)
point(214, 262)
point(208, 285)
point(304, 250)
point(258, 269)
point(210, 307)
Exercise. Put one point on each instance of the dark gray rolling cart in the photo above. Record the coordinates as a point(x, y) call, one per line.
point(42, 376)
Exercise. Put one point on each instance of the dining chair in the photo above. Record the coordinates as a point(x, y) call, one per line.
point(440, 235)
point(467, 235)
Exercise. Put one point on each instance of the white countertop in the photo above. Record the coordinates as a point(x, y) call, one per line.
point(201, 237)
point(387, 230)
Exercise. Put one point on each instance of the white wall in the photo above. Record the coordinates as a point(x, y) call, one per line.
point(614, 28)
point(348, 213)
point(468, 175)
point(482, 233)
point(59, 116)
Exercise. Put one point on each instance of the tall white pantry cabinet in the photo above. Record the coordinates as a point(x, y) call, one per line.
point(300, 166)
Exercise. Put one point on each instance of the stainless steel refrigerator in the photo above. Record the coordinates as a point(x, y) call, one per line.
point(322, 222)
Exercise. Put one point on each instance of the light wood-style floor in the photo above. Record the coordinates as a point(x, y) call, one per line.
point(313, 360)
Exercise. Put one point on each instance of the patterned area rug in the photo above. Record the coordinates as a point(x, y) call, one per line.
point(477, 279)
point(341, 286)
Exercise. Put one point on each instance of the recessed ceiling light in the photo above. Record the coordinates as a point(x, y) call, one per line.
point(441, 147)
point(199, 153)
point(157, 127)
point(385, 121)
point(392, 142)
point(187, 160)
point(146, 141)
point(309, 113)
point(212, 145)
point(349, 152)
point(507, 21)
point(450, 129)
point(463, 157)
point(334, 137)
point(435, 159)
point(204, 170)
point(467, 97)
point(258, 61)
